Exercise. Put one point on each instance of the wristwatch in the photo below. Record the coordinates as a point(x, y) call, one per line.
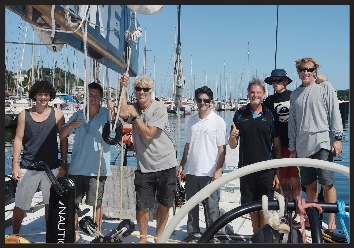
point(136, 117)
point(338, 137)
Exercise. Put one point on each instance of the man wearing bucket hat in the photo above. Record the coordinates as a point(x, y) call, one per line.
point(279, 104)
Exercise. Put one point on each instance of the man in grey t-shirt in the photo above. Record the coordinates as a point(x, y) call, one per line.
point(155, 153)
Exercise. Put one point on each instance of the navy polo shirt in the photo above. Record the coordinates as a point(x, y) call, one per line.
point(256, 134)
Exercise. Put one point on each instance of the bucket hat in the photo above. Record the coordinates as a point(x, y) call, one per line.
point(277, 73)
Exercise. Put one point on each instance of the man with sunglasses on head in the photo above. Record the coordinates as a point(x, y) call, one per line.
point(279, 104)
point(155, 154)
point(203, 158)
point(315, 131)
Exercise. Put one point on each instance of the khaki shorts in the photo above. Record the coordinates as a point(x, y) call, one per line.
point(28, 185)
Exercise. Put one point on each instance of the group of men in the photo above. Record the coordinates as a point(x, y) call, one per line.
point(278, 127)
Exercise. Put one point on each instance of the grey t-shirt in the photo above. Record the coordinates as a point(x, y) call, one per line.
point(158, 153)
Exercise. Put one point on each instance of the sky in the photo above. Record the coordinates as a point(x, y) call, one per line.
point(223, 46)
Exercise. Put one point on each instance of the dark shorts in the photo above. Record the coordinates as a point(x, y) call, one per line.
point(310, 174)
point(291, 171)
point(161, 184)
point(87, 185)
point(253, 186)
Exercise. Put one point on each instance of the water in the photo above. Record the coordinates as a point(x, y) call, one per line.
point(341, 181)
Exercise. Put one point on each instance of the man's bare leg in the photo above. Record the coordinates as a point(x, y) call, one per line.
point(312, 192)
point(142, 218)
point(17, 218)
point(330, 196)
point(98, 216)
point(77, 236)
point(255, 221)
point(162, 214)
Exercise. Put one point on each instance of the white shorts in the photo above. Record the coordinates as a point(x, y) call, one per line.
point(28, 184)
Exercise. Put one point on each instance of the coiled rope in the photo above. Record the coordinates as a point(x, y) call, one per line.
point(274, 216)
point(343, 215)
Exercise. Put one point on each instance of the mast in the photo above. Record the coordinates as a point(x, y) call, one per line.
point(225, 79)
point(191, 83)
point(248, 64)
point(144, 69)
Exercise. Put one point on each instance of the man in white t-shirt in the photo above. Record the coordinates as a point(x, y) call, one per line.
point(203, 157)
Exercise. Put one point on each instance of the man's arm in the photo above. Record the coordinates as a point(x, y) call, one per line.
point(183, 161)
point(17, 146)
point(59, 117)
point(220, 163)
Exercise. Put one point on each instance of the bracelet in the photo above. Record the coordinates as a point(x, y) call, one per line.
point(64, 161)
point(14, 162)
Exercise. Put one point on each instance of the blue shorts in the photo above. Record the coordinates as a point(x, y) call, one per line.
point(162, 184)
point(310, 174)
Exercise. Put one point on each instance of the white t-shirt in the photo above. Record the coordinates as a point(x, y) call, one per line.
point(204, 137)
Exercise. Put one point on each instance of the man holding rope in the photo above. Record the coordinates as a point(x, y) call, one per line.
point(155, 154)
point(90, 160)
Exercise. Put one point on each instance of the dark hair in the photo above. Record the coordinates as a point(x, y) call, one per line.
point(205, 90)
point(96, 86)
point(41, 87)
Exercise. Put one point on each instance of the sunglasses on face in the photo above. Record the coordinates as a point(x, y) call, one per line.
point(306, 69)
point(138, 89)
point(206, 100)
point(277, 80)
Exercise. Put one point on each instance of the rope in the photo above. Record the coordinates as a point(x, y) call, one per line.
point(121, 179)
point(86, 107)
point(98, 178)
point(273, 216)
point(302, 205)
point(343, 215)
point(53, 28)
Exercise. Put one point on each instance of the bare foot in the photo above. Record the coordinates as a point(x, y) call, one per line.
point(77, 237)
point(332, 226)
point(142, 241)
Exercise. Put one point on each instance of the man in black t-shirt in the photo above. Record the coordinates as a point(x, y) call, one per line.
point(254, 128)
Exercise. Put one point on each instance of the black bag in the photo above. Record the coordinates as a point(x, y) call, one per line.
point(266, 234)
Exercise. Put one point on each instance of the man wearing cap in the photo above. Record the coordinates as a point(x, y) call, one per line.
point(279, 103)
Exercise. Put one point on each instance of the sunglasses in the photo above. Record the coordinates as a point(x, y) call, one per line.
point(306, 69)
point(199, 100)
point(138, 89)
point(276, 80)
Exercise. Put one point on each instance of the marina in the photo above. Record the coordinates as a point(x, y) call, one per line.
point(108, 38)
point(112, 217)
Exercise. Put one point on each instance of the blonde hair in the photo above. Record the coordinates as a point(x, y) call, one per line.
point(300, 62)
point(145, 81)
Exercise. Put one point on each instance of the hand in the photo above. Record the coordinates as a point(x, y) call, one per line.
point(124, 80)
point(179, 171)
point(16, 172)
point(76, 122)
point(235, 132)
point(337, 148)
point(320, 79)
point(132, 111)
point(62, 170)
point(293, 154)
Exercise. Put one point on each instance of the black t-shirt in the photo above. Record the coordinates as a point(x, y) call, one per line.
point(279, 104)
point(255, 136)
